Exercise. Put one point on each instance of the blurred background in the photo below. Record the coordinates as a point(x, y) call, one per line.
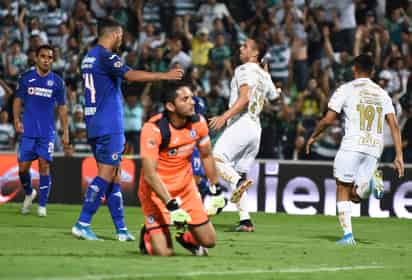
point(311, 45)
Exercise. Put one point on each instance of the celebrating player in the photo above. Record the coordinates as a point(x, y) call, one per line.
point(167, 190)
point(102, 72)
point(39, 89)
point(365, 105)
point(238, 145)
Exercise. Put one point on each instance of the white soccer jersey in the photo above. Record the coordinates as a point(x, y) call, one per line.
point(260, 84)
point(364, 105)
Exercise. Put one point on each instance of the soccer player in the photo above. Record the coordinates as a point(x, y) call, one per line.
point(167, 189)
point(38, 90)
point(102, 72)
point(365, 106)
point(238, 145)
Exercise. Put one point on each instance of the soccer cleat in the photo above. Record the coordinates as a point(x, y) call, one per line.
point(245, 226)
point(347, 239)
point(41, 211)
point(195, 250)
point(124, 235)
point(243, 186)
point(84, 232)
point(376, 184)
point(28, 202)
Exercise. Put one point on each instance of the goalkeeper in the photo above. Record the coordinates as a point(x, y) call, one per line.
point(167, 190)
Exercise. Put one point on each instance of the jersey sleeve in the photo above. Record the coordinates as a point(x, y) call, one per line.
point(60, 92)
point(245, 76)
point(387, 105)
point(114, 66)
point(337, 100)
point(203, 132)
point(150, 140)
point(21, 88)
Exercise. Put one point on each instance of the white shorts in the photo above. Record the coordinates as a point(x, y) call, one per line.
point(239, 144)
point(354, 167)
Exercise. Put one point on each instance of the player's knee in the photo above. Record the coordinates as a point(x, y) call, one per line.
point(208, 241)
point(162, 252)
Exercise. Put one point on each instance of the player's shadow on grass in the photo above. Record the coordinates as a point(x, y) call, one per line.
point(225, 227)
point(334, 238)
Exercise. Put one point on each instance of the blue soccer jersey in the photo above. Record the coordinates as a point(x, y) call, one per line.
point(39, 95)
point(102, 73)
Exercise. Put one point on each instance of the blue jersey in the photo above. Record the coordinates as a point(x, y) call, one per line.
point(39, 95)
point(102, 73)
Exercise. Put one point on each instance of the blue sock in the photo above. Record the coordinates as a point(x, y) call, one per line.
point(92, 199)
point(115, 204)
point(25, 180)
point(204, 186)
point(44, 189)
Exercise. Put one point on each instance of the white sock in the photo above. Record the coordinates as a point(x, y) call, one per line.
point(344, 216)
point(242, 207)
point(363, 190)
point(227, 173)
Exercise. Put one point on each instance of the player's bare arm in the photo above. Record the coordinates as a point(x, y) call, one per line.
point(218, 122)
point(208, 162)
point(18, 125)
point(153, 180)
point(322, 125)
point(144, 76)
point(65, 124)
point(396, 137)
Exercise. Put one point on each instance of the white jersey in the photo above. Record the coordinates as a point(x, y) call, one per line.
point(260, 84)
point(364, 105)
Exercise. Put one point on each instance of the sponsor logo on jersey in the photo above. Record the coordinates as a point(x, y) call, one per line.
point(38, 91)
point(31, 80)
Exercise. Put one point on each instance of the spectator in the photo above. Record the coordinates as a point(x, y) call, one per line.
point(7, 141)
point(78, 131)
point(133, 116)
point(211, 10)
point(16, 61)
point(200, 48)
point(178, 56)
point(5, 93)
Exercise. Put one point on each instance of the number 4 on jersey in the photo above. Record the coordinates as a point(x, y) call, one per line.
point(89, 84)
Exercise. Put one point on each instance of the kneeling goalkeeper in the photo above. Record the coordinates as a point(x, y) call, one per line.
point(167, 189)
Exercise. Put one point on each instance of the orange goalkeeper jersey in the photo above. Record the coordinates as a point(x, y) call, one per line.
point(174, 166)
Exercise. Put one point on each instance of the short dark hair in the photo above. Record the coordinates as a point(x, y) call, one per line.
point(107, 26)
point(171, 89)
point(44, 47)
point(261, 47)
point(364, 63)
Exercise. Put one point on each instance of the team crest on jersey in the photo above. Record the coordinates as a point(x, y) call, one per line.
point(115, 156)
point(117, 64)
point(193, 133)
point(172, 152)
point(150, 219)
point(50, 83)
point(151, 143)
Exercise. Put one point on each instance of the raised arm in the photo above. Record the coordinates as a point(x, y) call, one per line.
point(144, 76)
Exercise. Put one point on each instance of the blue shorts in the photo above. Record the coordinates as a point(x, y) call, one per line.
point(31, 148)
point(108, 149)
point(197, 164)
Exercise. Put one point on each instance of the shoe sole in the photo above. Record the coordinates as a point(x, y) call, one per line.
point(245, 229)
point(237, 194)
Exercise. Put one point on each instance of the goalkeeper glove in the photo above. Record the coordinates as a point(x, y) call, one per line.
point(178, 216)
point(218, 200)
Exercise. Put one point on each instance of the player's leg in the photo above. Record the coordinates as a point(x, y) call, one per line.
point(26, 155)
point(115, 204)
point(369, 179)
point(345, 168)
point(155, 236)
point(44, 186)
point(44, 149)
point(201, 234)
point(106, 168)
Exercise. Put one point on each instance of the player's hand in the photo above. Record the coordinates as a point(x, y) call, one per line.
point(399, 166)
point(67, 148)
point(309, 144)
point(217, 123)
point(178, 216)
point(174, 74)
point(18, 126)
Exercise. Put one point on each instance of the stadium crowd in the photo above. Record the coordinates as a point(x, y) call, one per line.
point(310, 46)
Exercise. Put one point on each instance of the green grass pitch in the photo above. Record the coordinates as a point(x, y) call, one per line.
point(283, 247)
